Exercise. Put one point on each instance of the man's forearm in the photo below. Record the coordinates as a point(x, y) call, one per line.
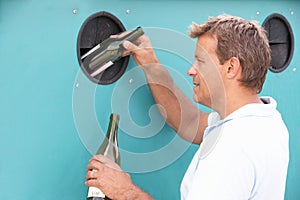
point(136, 193)
point(179, 111)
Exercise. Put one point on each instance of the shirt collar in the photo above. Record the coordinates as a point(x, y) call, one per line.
point(254, 109)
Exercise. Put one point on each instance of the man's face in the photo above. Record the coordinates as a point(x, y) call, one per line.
point(206, 73)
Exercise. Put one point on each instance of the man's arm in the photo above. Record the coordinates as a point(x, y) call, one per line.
point(178, 111)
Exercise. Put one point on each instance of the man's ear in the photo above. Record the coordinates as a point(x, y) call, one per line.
point(233, 67)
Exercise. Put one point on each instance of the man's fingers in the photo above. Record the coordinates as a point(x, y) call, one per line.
point(101, 158)
point(95, 165)
point(91, 182)
point(120, 35)
point(105, 161)
point(129, 46)
point(91, 174)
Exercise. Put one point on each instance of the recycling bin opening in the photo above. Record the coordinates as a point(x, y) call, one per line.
point(281, 40)
point(93, 31)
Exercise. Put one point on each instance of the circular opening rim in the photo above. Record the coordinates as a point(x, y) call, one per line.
point(291, 36)
point(124, 60)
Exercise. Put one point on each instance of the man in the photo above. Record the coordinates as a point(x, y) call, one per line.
point(244, 144)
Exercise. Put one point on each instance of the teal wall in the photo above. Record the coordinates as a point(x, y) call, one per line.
point(53, 118)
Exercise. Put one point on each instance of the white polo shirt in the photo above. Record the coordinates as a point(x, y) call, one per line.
point(245, 156)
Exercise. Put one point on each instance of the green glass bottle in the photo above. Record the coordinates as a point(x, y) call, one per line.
point(110, 149)
point(107, 53)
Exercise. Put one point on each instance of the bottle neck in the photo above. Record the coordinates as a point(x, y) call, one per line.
point(112, 130)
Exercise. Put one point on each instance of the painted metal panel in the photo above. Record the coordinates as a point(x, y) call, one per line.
point(53, 118)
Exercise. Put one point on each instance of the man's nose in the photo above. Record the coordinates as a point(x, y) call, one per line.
point(191, 71)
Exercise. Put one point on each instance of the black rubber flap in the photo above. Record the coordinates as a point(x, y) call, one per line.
point(281, 40)
point(94, 30)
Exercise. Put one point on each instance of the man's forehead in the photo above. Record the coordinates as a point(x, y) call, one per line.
point(206, 44)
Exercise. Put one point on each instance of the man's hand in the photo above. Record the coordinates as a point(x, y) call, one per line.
point(106, 175)
point(141, 50)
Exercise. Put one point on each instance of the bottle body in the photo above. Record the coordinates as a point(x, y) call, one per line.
point(110, 149)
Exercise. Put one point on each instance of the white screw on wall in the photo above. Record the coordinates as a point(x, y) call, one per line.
point(127, 11)
point(77, 85)
point(74, 11)
point(294, 69)
point(257, 13)
point(130, 81)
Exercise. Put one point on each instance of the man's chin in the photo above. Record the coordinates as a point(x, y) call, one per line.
point(202, 102)
point(197, 99)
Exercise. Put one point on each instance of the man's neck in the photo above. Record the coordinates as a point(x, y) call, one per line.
point(236, 100)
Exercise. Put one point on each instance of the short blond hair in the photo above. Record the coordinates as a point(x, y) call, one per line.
point(239, 38)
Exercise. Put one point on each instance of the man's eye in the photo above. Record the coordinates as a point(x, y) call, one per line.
point(199, 60)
